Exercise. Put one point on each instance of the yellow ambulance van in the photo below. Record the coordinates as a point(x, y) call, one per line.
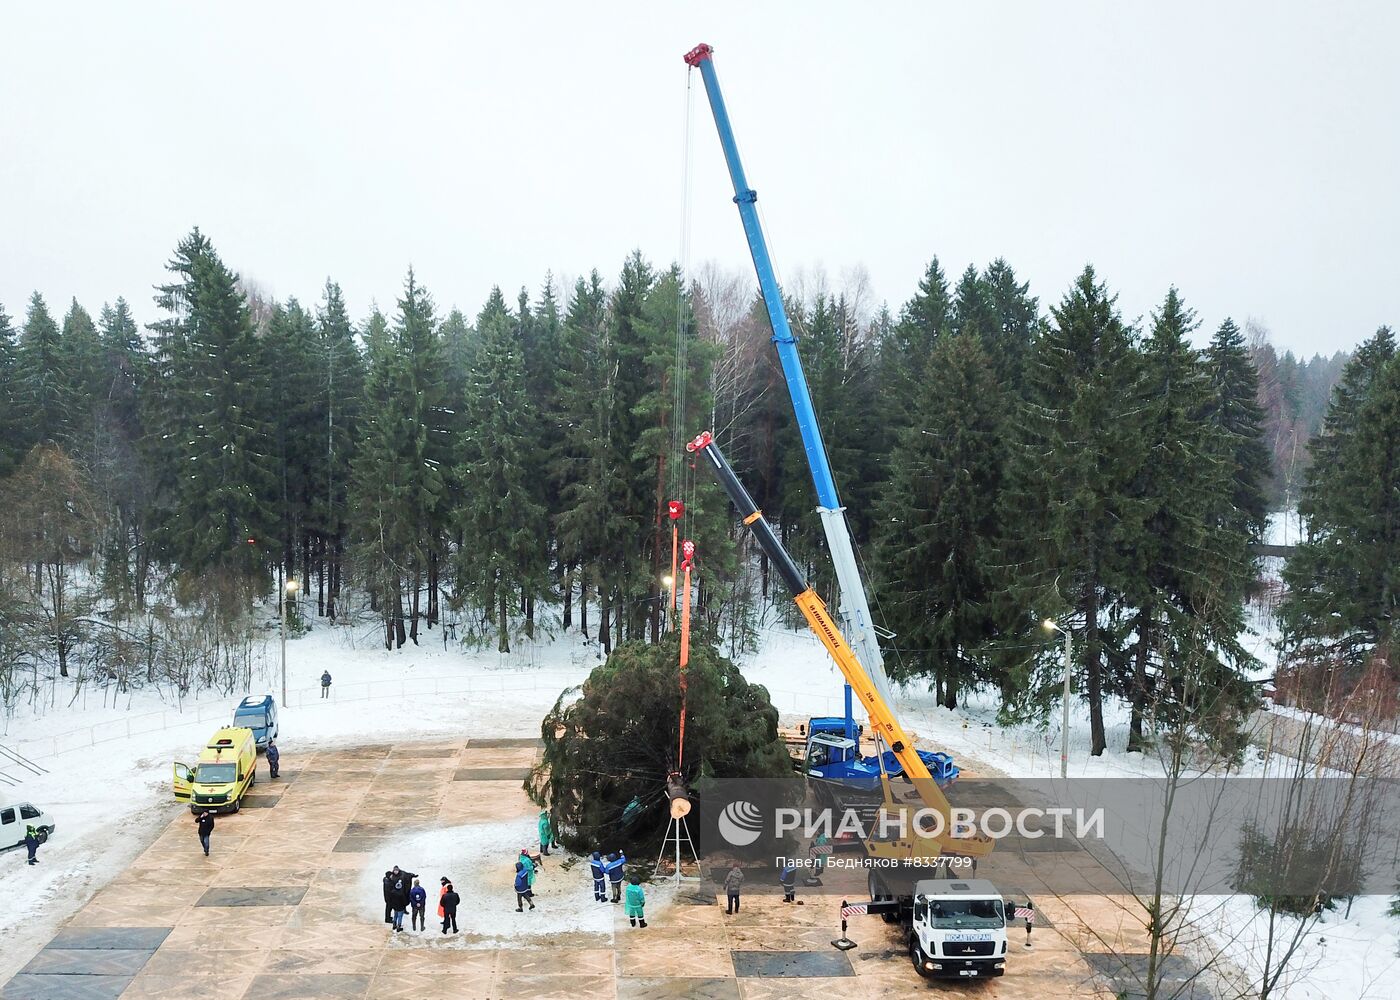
point(226, 769)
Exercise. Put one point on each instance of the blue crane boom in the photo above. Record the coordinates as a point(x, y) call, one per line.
point(853, 607)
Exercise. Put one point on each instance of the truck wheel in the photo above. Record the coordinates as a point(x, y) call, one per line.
point(42, 835)
point(917, 956)
point(237, 804)
point(880, 894)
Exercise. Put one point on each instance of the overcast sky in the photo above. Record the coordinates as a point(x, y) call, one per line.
point(1247, 153)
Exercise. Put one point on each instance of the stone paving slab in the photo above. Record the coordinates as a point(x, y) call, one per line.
point(313, 986)
point(792, 964)
point(1128, 976)
point(27, 987)
point(122, 938)
point(86, 962)
point(242, 895)
point(498, 743)
point(492, 774)
point(660, 988)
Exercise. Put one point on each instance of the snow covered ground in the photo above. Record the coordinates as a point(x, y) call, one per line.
point(109, 791)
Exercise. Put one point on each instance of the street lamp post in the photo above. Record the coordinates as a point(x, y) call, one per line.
point(1064, 721)
point(290, 593)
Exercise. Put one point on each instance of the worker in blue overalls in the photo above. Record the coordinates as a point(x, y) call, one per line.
point(614, 872)
point(600, 877)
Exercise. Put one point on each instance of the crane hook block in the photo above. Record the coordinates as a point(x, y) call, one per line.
point(676, 509)
point(698, 54)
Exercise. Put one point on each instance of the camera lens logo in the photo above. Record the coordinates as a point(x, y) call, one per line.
point(741, 823)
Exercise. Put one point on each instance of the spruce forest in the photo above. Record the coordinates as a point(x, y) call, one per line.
point(1003, 459)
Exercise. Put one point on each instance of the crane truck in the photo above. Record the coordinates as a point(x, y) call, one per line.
point(953, 928)
point(832, 759)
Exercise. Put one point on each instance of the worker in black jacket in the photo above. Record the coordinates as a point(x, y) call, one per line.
point(204, 825)
point(449, 903)
point(388, 905)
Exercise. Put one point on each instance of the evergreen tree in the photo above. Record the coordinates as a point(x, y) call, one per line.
point(220, 517)
point(591, 522)
point(1074, 501)
point(500, 513)
point(922, 320)
point(338, 413)
point(288, 397)
point(398, 485)
point(1191, 568)
point(627, 582)
point(1015, 323)
point(45, 382)
point(1233, 410)
point(1343, 586)
point(938, 521)
point(87, 370)
point(122, 470)
point(11, 433)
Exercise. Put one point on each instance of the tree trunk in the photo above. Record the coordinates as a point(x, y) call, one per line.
point(433, 609)
point(529, 618)
point(604, 624)
point(568, 589)
point(583, 601)
point(502, 626)
point(1144, 642)
point(1092, 666)
point(398, 613)
point(417, 590)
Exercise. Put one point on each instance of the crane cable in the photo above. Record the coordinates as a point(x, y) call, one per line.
point(678, 484)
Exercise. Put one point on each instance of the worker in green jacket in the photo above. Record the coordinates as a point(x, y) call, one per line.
point(528, 862)
point(634, 902)
point(546, 832)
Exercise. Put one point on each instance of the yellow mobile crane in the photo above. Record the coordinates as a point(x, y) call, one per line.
point(907, 847)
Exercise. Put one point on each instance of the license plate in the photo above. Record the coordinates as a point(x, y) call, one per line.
point(967, 972)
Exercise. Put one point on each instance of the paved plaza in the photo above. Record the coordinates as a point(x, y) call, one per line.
point(279, 911)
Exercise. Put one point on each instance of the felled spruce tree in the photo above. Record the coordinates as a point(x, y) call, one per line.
point(607, 752)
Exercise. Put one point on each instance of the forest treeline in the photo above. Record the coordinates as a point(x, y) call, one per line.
point(1000, 463)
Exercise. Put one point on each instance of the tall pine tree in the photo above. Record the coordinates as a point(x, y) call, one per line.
point(938, 523)
point(501, 517)
point(1074, 502)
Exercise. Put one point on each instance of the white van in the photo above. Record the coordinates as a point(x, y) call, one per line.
point(16, 817)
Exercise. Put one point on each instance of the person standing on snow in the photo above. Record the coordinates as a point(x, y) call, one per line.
point(614, 869)
point(448, 908)
point(636, 900)
point(325, 684)
point(733, 882)
point(528, 862)
point(274, 757)
point(600, 878)
point(398, 900)
point(523, 892)
point(442, 892)
point(418, 903)
point(31, 844)
point(389, 897)
point(204, 825)
point(546, 832)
